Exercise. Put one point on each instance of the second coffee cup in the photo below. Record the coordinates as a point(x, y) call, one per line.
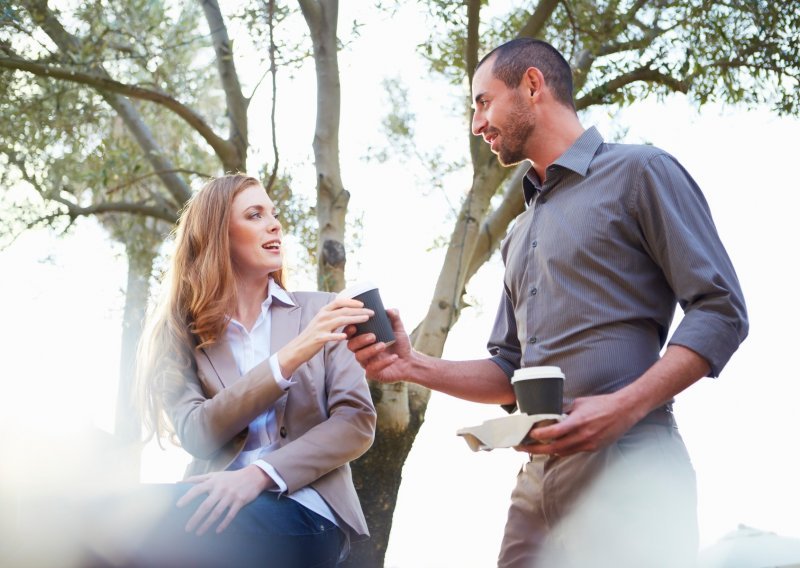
point(539, 390)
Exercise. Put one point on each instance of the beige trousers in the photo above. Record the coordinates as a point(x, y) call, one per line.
point(632, 504)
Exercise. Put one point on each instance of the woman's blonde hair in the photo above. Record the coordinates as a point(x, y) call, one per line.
point(200, 295)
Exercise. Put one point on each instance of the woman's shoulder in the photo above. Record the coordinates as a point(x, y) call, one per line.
point(313, 298)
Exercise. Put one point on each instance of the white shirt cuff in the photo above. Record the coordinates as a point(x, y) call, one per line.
point(283, 383)
point(269, 470)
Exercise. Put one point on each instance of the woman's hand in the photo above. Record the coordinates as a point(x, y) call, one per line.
point(339, 313)
point(227, 490)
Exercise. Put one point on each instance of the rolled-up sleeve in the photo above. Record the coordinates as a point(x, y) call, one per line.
point(680, 235)
point(503, 343)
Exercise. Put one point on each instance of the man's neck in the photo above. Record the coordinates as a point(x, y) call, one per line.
point(552, 139)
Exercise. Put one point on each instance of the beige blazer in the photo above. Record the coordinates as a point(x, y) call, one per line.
point(325, 420)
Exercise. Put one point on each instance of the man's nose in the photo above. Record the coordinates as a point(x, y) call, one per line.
point(478, 123)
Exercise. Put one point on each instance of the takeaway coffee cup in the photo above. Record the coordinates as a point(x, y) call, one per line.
point(539, 390)
point(379, 324)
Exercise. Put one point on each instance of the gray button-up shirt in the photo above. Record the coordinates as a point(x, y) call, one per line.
point(616, 236)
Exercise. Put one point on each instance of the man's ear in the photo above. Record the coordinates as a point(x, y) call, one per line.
point(533, 80)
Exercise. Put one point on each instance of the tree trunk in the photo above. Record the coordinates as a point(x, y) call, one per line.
point(332, 198)
point(127, 425)
point(401, 406)
point(446, 304)
point(378, 473)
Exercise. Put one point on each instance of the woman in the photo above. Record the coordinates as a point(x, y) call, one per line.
point(258, 386)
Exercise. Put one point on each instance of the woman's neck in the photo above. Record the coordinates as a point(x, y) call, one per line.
point(250, 294)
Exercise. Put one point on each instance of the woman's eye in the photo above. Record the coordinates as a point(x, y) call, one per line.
point(255, 215)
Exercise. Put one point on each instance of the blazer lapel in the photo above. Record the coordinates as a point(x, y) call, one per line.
point(285, 327)
point(221, 358)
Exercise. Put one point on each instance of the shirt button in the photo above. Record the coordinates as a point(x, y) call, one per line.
point(533, 244)
point(532, 340)
point(533, 291)
point(283, 431)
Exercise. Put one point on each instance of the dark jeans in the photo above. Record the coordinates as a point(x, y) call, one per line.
point(271, 531)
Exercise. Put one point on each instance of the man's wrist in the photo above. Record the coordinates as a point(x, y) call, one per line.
point(422, 369)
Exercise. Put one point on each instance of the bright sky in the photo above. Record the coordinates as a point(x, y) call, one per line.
point(62, 303)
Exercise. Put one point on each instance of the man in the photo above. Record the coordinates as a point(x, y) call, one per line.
point(613, 237)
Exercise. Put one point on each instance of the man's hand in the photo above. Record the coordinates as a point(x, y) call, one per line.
point(385, 364)
point(592, 423)
point(227, 490)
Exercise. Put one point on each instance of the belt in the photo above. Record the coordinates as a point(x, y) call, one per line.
point(662, 416)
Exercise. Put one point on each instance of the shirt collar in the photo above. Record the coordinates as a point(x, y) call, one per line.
point(275, 292)
point(576, 158)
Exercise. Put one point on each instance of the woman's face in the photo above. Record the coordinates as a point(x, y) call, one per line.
point(254, 233)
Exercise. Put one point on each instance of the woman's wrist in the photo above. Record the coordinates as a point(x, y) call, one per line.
point(262, 478)
point(287, 360)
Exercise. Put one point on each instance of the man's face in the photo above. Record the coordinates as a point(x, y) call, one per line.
point(502, 116)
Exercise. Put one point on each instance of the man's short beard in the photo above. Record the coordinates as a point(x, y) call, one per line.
point(518, 130)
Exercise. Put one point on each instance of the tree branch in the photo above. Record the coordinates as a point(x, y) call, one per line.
point(471, 60)
point(535, 24)
point(619, 46)
point(74, 210)
point(274, 70)
point(137, 179)
point(495, 226)
point(70, 46)
point(137, 208)
point(104, 83)
point(473, 37)
point(601, 93)
point(235, 101)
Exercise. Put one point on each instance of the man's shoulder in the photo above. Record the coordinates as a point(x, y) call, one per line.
point(632, 158)
point(642, 152)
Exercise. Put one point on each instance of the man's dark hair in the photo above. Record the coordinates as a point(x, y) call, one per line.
point(513, 58)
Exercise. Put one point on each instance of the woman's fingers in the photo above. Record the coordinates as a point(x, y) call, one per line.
point(227, 491)
point(202, 512)
point(189, 496)
point(344, 316)
point(232, 512)
point(213, 516)
point(198, 478)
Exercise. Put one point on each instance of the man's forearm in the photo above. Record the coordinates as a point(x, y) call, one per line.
point(478, 380)
point(678, 369)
